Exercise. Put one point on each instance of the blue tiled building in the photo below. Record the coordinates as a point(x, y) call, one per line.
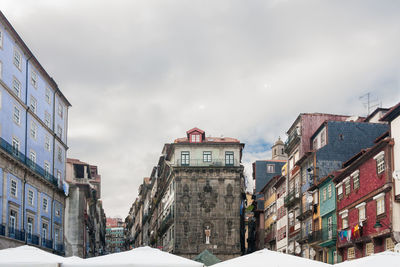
point(33, 145)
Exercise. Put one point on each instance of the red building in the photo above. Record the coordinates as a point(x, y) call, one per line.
point(364, 202)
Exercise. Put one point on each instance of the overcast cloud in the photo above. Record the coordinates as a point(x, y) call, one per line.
point(141, 73)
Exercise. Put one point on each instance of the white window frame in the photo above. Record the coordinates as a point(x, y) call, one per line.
point(47, 144)
point(389, 244)
point(45, 205)
point(344, 214)
point(207, 156)
point(1, 70)
point(34, 78)
point(32, 157)
point(16, 86)
point(31, 197)
point(329, 191)
point(270, 168)
point(361, 212)
point(353, 253)
point(47, 96)
point(380, 203)
point(15, 194)
point(380, 162)
point(324, 194)
point(369, 248)
point(59, 131)
point(347, 185)
point(17, 115)
point(195, 138)
point(33, 104)
point(15, 145)
point(46, 168)
point(47, 119)
point(1, 39)
point(59, 154)
point(17, 58)
point(60, 110)
point(34, 129)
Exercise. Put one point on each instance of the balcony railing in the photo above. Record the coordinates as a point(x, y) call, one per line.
point(27, 162)
point(59, 247)
point(306, 212)
point(2, 229)
point(16, 234)
point(321, 235)
point(293, 138)
point(32, 239)
point(212, 163)
point(291, 198)
point(47, 243)
point(166, 222)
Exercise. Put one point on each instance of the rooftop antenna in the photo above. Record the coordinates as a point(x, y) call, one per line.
point(369, 103)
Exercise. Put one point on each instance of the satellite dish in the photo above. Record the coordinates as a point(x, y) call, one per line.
point(298, 250)
point(274, 217)
point(396, 174)
point(310, 199)
point(291, 215)
point(397, 248)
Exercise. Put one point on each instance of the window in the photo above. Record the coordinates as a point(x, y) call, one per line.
point(30, 197)
point(356, 179)
point(380, 203)
point(16, 116)
point(33, 105)
point(44, 230)
point(59, 175)
point(207, 156)
point(315, 143)
point(30, 229)
point(330, 228)
point(47, 119)
point(324, 194)
point(361, 212)
point(323, 139)
point(34, 129)
point(34, 78)
point(13, 188)
point(351, 253)
point(345, 220)
point(369, 249)
point(47, 143)
point(12, 222)
point(229, 158)
point(347, 186)
point(59, 131)
point(17, 58)
point(1, 39)
point(47, 96)
point(340, 191)
point(195, 138)
point(59, 154)
point(270, 168)
point(330, 191)
point(17, 87)
point(185, 158)
point(45, 206)
point(15, 146)
point(46, 168)
point(389, 244)
point(60, 110)
point(380, 164)
point(32, 157)
point(58, 212)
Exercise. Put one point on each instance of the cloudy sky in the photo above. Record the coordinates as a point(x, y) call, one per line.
point(141, 73)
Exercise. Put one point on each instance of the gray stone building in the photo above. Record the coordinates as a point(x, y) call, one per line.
point(85, 221)
point(196, 199)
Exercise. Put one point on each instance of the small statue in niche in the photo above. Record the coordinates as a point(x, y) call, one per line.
point(207, 233)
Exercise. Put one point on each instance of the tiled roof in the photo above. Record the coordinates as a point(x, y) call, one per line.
point(210, 140)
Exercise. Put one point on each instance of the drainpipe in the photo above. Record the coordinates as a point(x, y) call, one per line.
point(26, 143)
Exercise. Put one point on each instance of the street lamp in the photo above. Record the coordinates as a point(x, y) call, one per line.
point(378, 224)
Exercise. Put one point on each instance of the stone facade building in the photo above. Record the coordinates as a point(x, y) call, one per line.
point(85, 221)
point(195, 200)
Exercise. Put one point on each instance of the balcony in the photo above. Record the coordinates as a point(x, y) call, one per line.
point(325, 236)
point(270, 235)
point(308, 211)
point(32, 239)
point(166, 223)
point(59, 248)
point(47, 243)
point(212, 163)
point(292, 198)
point(2, 229)
point(16, 234)
point(292, 140)
point(17, 155)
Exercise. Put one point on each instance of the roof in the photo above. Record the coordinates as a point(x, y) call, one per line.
point(195, 129)
point(209, 140)
point(393, 113)
point(207, 258)
point(374, 113)
point(76, 161)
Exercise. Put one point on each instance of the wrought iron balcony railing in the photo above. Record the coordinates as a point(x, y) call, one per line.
point(19, 156)
point(211, 163)
point(47, 243)
point(32, 239)
point(2, 229)
point(291, 198)
point(16, 234)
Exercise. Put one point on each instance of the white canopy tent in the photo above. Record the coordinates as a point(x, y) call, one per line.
point(138, 257)
point(24, 256)
point(270, 258)
point(384, 259)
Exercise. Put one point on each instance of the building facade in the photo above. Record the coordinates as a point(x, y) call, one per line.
point(85, 221)
point(33, 145)
point(115, 235)
point(195, 198)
